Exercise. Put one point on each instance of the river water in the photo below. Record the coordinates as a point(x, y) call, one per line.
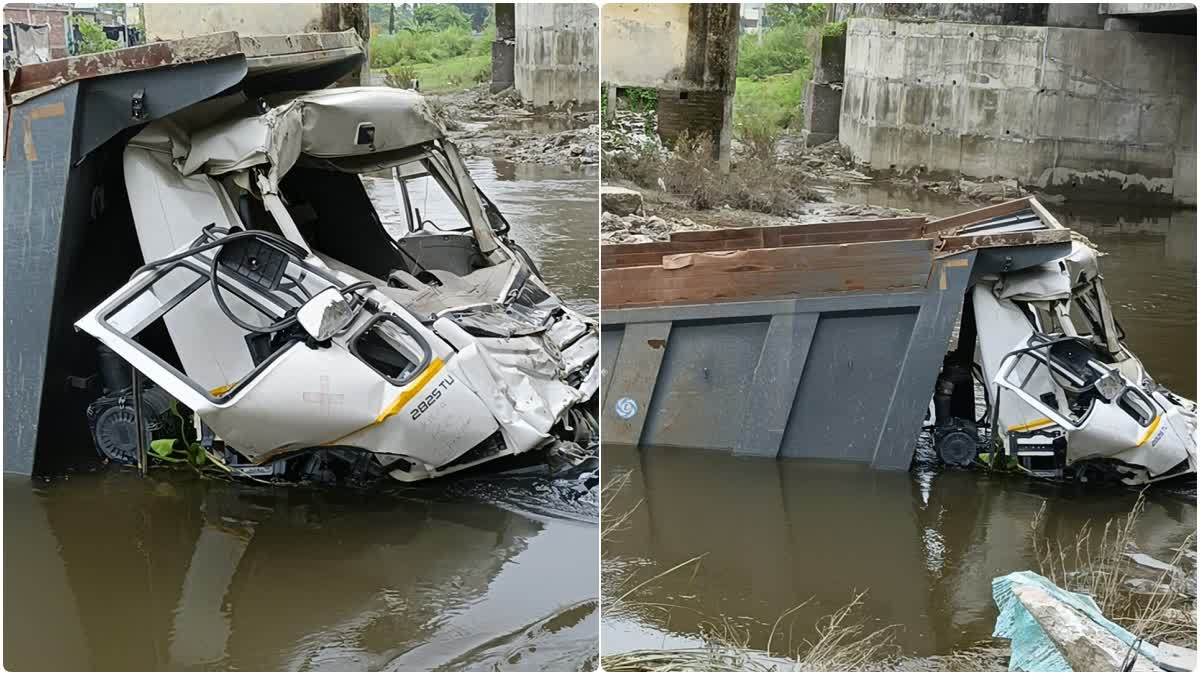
point(106, 571)
point(925, 544)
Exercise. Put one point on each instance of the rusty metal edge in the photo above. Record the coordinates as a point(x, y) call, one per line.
point(36, 79)
point(955, 244)
point(960, 220)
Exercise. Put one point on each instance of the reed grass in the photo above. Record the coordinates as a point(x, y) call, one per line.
point(1104, 571)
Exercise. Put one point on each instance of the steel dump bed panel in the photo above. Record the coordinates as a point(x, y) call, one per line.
point(814, 341)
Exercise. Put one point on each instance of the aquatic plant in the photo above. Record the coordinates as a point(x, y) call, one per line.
point(842, 644)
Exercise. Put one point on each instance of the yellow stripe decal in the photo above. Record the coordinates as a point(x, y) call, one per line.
point(1150, 432)
point(1036, 424)
point(411, 390)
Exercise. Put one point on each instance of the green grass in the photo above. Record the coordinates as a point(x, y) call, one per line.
point(772, 101)
point(460, 72)
point(455, 74)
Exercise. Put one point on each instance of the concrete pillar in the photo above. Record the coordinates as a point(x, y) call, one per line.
point(1074, 15)
point(711, 62)
point(556, 62)
point(823, 94)
point(610, 93)
point(504, 48)
point(336, 17)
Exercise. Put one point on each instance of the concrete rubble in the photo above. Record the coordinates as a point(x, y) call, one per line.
point(1051, 629)
point(636, 229)
point(1086, 646)
point(824, 169)
point(620, 201)
point(500, 125)
point(1175, 659)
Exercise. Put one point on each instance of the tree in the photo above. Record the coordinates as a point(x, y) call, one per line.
point(786, 13)
point(478, 11)
point(440, 17)
point(91, 37)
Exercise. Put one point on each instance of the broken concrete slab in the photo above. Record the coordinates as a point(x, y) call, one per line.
point(620, 201)
point(1147, 586)
point(1175, 659)
point(1152, 563)
point(1086, 646)
point(1052, 629)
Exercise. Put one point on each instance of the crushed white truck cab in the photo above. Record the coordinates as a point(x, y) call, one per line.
point(1068, 397)
point(306, 338)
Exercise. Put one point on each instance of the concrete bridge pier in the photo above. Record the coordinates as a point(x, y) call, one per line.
point(688, 53)
point(1093, 101)
point(504, 47)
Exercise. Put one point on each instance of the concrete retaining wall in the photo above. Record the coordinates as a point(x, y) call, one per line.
point(174, 21)
point(645, 45)
point(1106, 113)
point(996, 13)
point(557, 55)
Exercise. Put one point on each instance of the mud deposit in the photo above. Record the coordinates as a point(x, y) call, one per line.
point(106, 571)
point(925, 544)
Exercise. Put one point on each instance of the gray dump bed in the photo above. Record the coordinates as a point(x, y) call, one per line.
point(816, 341)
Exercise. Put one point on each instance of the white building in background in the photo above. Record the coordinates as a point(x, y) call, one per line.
point(752, 16)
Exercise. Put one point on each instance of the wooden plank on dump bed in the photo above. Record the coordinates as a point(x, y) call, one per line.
point(880, 229)
point(808, 271)
point(959, 243)
point(848, 227)
point(978, 215)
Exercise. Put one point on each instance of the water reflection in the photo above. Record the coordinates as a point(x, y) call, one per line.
point(105, 571)
point(925, 546)
point(776, 534)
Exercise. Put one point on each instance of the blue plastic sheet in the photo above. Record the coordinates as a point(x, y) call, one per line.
point(1032, 650)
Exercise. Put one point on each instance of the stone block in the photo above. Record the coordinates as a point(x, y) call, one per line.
point(620, 201)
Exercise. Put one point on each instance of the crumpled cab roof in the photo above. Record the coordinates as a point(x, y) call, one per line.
point(346, 122)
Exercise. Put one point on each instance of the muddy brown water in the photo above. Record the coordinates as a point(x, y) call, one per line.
point(104, 570)
point(553, 211)
point(924, 544)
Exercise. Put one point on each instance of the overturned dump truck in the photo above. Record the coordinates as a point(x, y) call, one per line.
point(284, 331)
point(837, 341)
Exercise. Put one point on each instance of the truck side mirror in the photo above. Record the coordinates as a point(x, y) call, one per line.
point(325, 314)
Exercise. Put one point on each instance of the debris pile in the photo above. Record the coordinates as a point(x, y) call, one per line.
point(636, 229)
point(630, 130)
point(825, 164)
point(572, 146)
point(501, 125)
point(994, 191)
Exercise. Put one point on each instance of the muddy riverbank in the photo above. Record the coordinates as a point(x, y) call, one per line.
point(210, 574)
point(924, 544)
point(774, 180)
